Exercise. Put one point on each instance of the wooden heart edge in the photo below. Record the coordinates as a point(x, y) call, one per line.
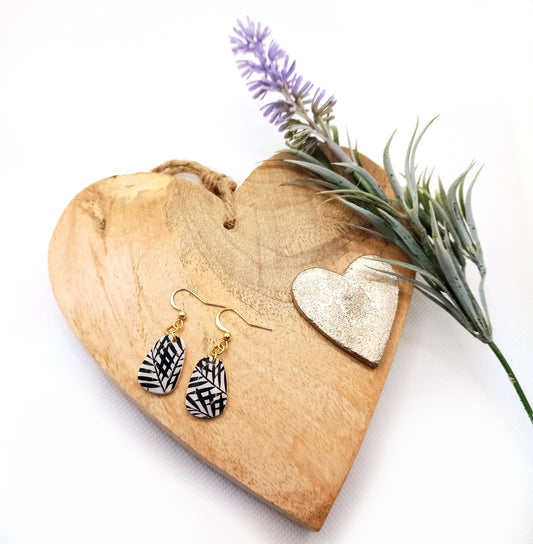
point(311, 520)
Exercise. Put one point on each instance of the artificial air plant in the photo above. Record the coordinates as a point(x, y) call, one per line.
point(434, 229)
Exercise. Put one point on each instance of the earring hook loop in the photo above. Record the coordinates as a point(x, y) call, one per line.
point(223, 329)
point(173, 304)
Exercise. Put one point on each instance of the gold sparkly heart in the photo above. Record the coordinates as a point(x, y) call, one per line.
point(354, 310)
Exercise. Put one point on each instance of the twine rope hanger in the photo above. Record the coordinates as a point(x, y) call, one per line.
point(219, 184)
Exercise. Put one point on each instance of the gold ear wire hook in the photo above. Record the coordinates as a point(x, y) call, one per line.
point(173, 304)
point(178, 324)
point(223, 329)
point(223, 344)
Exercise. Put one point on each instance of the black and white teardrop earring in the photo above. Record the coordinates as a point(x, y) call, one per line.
point(207, 393)
point(160, 370)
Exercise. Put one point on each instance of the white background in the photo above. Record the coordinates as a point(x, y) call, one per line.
point(93, 89)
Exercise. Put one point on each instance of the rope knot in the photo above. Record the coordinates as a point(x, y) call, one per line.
point(219, 184)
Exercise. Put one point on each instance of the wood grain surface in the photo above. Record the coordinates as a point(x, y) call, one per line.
point(298, 406)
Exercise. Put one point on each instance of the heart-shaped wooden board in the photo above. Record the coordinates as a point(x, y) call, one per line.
point(298, 406)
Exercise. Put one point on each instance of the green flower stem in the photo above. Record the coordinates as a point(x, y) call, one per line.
point(513, 379)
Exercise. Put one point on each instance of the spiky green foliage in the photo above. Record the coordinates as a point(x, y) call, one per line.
point(435, 230)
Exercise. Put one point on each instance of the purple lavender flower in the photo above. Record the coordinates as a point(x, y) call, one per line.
point(304, 114)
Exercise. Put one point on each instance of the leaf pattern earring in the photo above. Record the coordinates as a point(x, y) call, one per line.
point(160, 370)
point(207, 393)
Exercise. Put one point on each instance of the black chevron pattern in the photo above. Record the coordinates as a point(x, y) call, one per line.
point(160, 370)
point(208, 389)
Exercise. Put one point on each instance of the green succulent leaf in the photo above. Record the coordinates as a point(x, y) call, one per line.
point(301, 155)
point(389, 169)
point(364, 229)
point(323, 173)
point(364, 177)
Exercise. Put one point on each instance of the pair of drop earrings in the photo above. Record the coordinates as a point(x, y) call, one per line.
point(207, 392)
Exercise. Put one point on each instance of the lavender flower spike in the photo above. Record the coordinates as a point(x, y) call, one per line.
point(301, 111)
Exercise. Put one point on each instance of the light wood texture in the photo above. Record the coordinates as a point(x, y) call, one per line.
point(298, 406)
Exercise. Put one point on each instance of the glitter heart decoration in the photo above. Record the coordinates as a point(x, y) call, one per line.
point(354, 310)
